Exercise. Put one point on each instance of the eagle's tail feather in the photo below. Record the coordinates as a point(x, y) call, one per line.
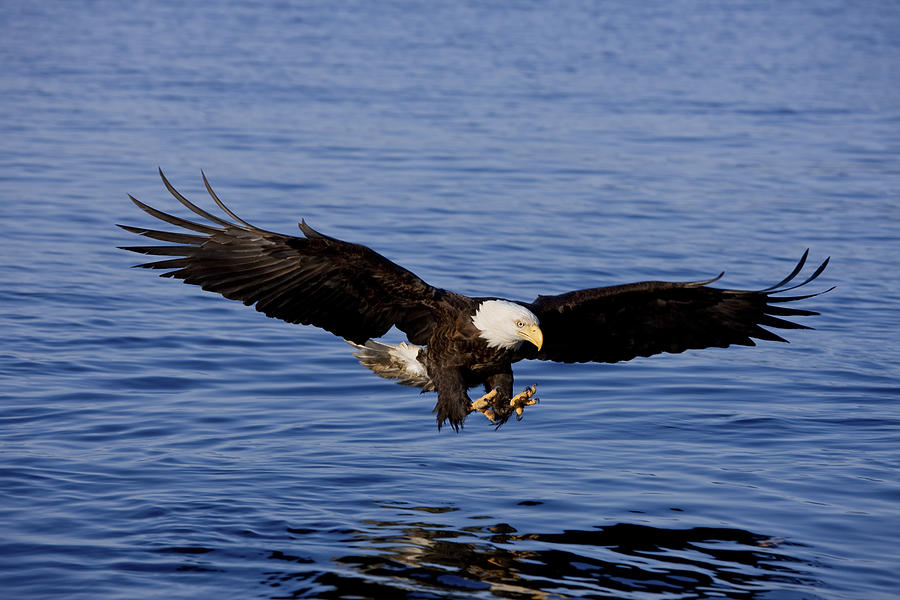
point(400, 363)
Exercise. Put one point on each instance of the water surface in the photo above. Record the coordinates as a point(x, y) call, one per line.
point(161, 442)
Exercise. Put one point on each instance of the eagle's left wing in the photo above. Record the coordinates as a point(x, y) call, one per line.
point(616, 323)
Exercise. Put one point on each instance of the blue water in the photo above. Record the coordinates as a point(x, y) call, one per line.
point(161, 442)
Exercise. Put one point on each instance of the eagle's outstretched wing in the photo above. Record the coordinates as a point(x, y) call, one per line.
point(611, 324)
point(347, 289)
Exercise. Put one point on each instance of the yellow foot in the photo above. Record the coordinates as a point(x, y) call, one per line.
point(525, 398)
point(483, 405)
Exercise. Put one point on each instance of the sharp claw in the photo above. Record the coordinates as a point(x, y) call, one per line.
point(483, 405)
point(525, 398)
point(480, 404)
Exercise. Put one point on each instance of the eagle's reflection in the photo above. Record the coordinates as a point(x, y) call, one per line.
point(419, 557)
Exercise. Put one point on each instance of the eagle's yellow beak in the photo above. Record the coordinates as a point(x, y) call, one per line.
point(533, 334)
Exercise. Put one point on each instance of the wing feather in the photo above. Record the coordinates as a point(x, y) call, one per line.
point(792, 274)
point(347, 289)
point(177, 221)
point(221, 204)
point(617, 323)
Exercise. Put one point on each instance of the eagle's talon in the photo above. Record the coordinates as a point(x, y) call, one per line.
point(479, 404)
point(484, 404)
point(523, 399)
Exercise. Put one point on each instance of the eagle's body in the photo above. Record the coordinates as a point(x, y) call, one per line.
point(456, 342)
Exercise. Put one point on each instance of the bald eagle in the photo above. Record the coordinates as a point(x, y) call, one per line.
point(455, 342)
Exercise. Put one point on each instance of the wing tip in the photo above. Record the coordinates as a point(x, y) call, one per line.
point(311, 233)
point(779, 287)
point(221, 204)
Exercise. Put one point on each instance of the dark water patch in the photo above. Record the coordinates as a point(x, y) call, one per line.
point(422, 560)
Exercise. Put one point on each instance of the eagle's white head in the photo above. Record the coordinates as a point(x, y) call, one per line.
point(505, 324)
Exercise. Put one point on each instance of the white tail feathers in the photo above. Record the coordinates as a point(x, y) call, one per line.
point(400, 363)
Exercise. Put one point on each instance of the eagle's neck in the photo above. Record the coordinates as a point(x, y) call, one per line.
point(496, 323)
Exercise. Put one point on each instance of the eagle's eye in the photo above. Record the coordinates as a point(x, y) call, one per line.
point(520, 324)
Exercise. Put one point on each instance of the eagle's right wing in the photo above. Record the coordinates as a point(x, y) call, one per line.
point(347, 289)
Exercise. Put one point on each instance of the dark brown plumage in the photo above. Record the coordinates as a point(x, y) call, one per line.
point(621, 322)
point(354, 292)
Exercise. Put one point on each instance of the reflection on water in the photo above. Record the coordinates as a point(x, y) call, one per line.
point(412, 557)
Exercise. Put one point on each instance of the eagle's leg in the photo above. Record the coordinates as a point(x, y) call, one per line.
point(498, 403)
point(485, 403)
point(453, 403)
point(523, 399)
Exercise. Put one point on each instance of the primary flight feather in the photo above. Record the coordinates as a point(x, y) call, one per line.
point(456, 342)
